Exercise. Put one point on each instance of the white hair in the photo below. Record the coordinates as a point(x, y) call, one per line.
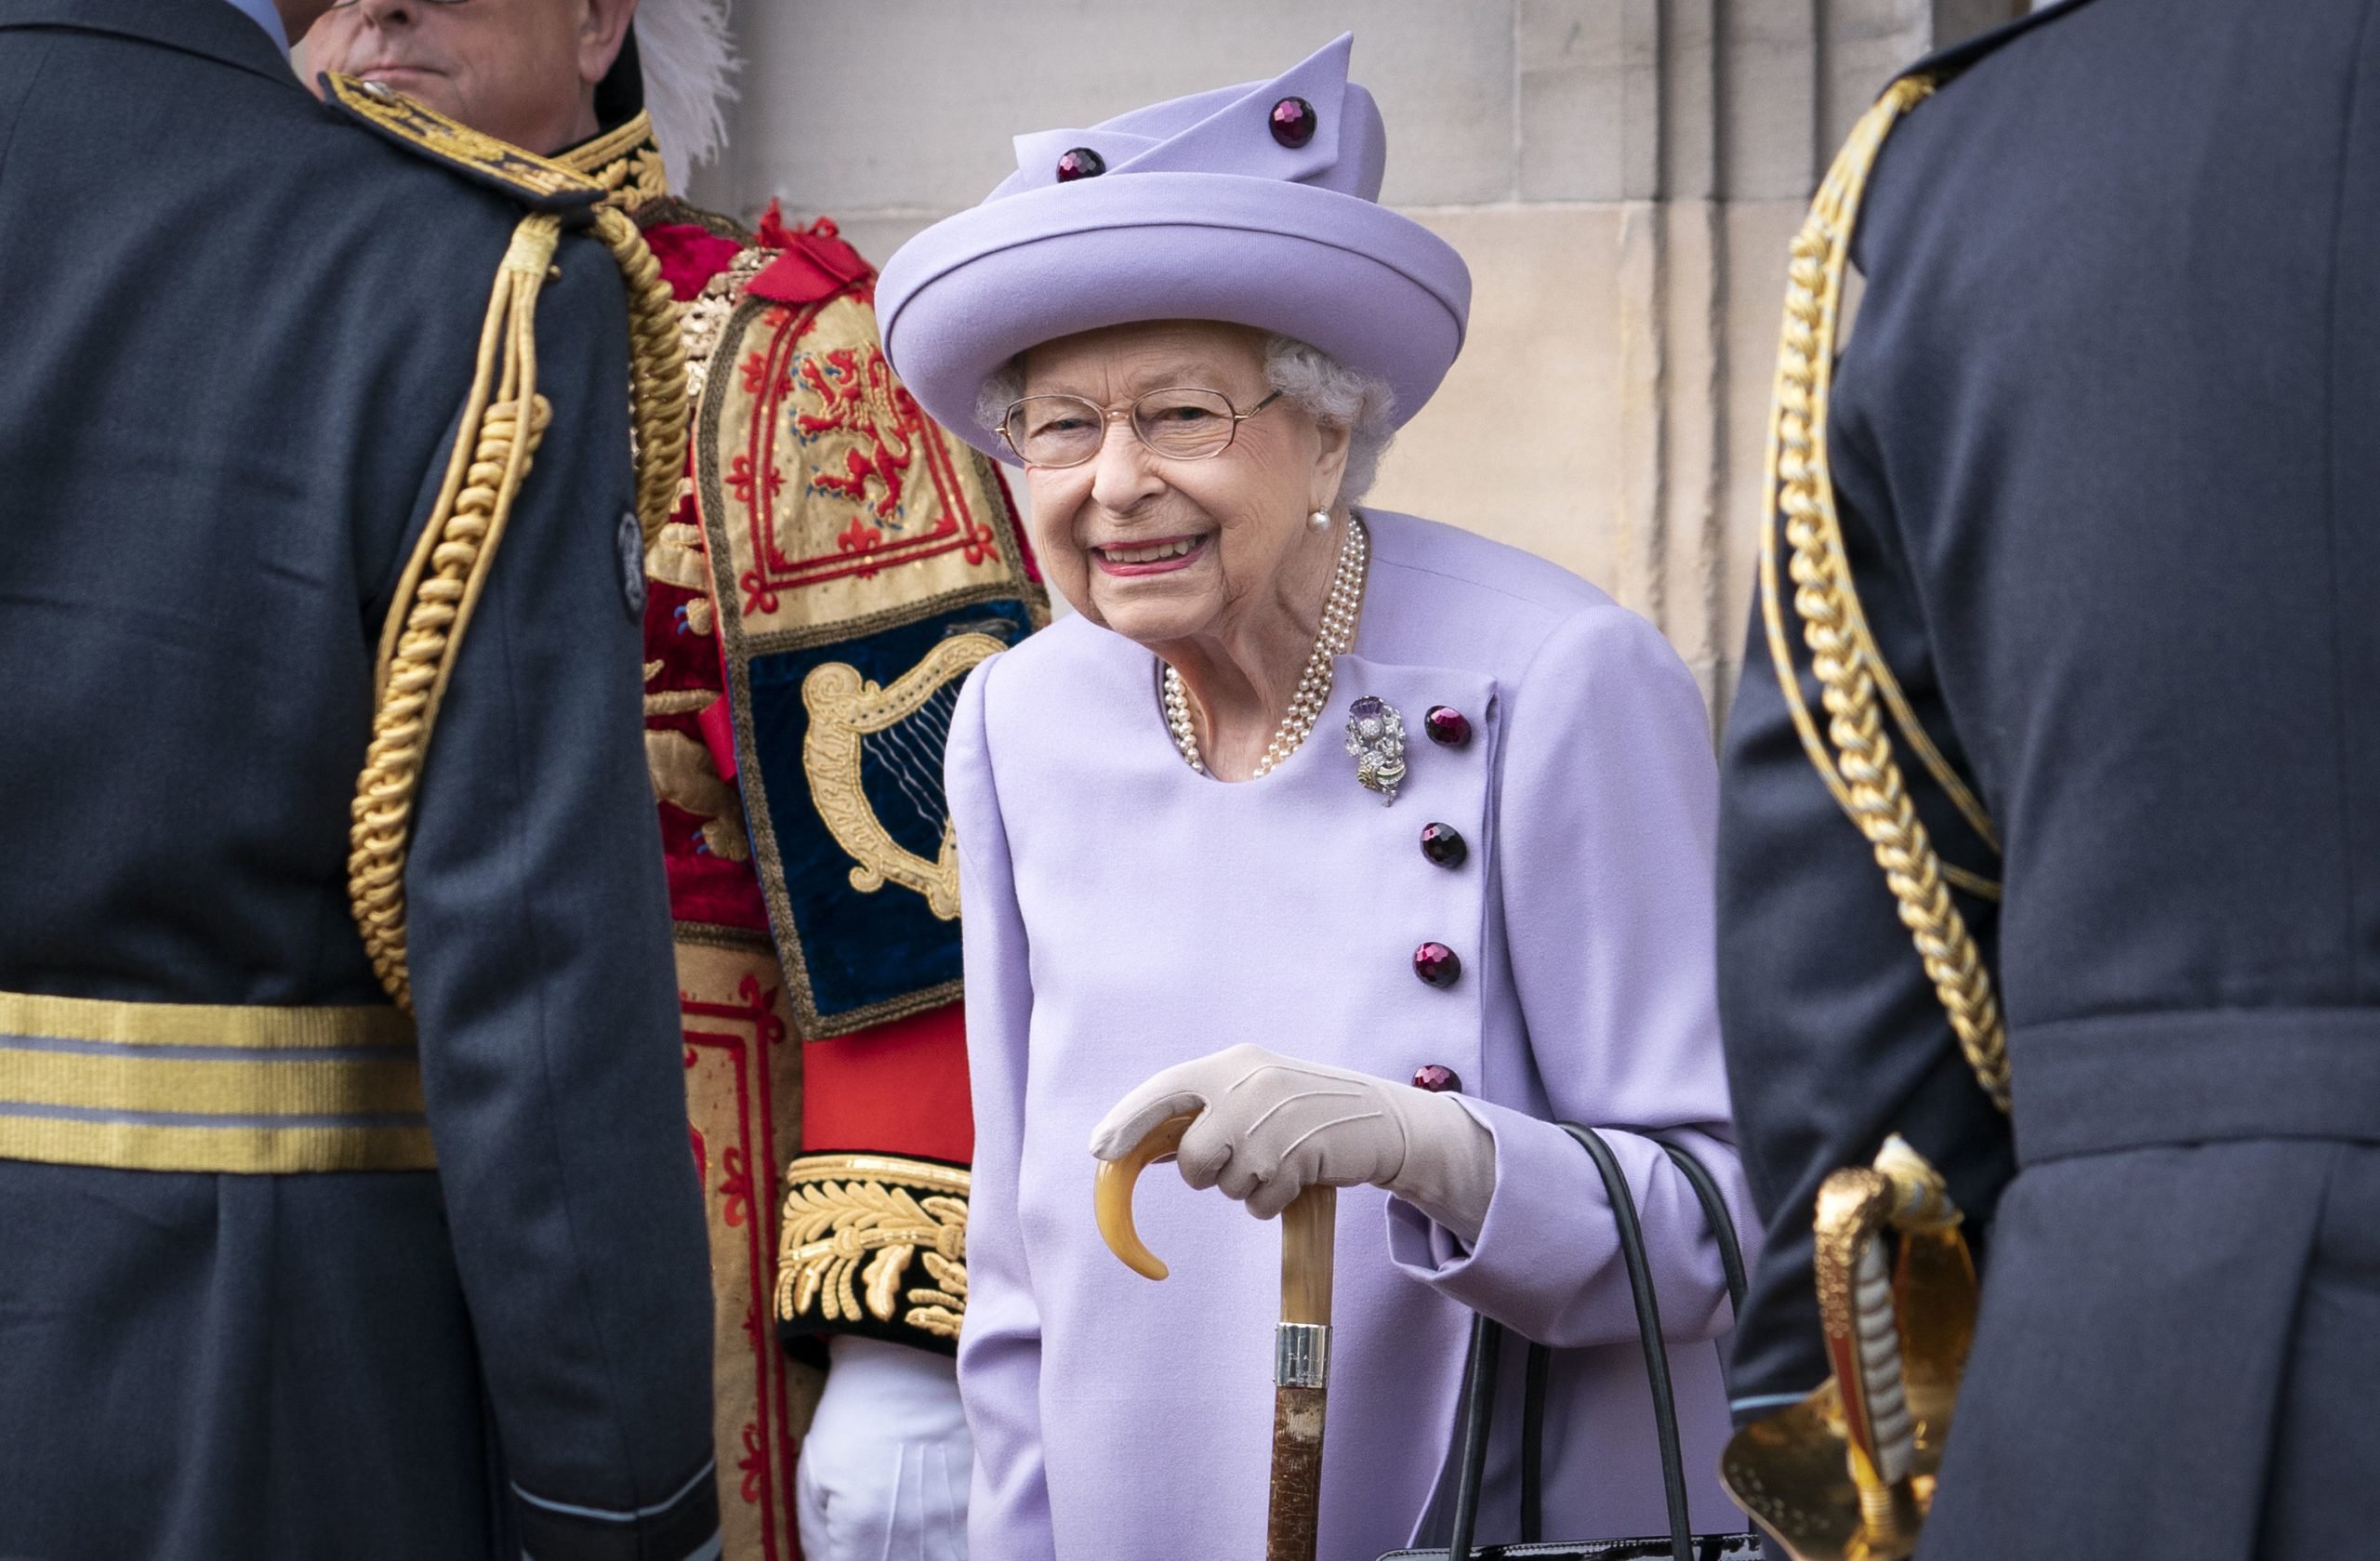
point(688, 56)
point(1325, 389)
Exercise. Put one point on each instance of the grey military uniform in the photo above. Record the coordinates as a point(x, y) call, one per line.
point(2106, 441)
point(239, 331)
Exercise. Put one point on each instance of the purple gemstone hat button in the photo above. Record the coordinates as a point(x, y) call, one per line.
point(1080, 162)
point(1294, 121)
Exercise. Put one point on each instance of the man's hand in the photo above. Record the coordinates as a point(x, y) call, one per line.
point(885, 1467)
point(1270, 1126)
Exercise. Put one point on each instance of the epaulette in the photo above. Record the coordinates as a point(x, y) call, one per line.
point(1944, 63)
point(539, 183)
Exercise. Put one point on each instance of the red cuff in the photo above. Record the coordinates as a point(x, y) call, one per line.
point(896, 1089)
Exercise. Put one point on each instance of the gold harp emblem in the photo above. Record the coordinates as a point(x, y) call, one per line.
point(845, 710)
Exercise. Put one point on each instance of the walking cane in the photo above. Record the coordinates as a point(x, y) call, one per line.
point(1300, 1345)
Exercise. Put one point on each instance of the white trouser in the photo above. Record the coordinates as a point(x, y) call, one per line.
point(885, 1468)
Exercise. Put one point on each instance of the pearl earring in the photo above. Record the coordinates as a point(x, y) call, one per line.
point(1319, 520)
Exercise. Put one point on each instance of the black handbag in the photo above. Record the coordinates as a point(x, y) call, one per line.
point(1476, 1414)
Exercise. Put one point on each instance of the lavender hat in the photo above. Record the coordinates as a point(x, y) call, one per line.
point(1256, 204)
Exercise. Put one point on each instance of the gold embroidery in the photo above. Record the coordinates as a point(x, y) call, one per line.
point(542, 183)
point(680, 701)
point(685, 776)
point(844, 709)
point(853, 1226)
point(704, 317)
point(626, 161)
point(676, 558)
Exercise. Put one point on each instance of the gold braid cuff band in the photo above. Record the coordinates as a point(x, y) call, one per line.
point(449, 567)
point(1856, 683)
point(875, 1245)
point(191, 1088)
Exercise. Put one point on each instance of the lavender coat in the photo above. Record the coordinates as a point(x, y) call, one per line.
point(1124, 913)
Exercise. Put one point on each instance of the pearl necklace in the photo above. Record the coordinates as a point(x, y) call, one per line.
point(1336, 637)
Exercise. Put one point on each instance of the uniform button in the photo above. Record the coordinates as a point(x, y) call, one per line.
point(1442, 844)
point(1448, 727)
point(1438, 1078)
point(1436, 964)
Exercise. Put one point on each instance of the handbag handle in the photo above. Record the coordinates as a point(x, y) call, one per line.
point(1479, 1368)
point(1541, 1360)
point(1714, 1209)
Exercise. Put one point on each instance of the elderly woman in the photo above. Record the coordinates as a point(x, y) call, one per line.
point(1199, 876)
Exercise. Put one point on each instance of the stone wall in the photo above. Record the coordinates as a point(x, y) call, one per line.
point(1622, 176)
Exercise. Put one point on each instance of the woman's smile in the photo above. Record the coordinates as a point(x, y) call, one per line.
point(1160, 557)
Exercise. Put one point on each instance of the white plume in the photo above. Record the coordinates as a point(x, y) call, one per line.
point(688, 56)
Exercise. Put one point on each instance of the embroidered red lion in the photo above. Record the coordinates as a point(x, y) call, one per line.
point(858, 396)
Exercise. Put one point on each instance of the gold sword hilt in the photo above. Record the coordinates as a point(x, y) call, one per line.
point(1848, 1473)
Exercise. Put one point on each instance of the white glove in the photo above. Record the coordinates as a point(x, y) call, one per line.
point(885, 1467)
point(1270, 1126)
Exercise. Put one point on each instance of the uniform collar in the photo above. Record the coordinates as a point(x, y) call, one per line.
point(626, 161)
point(215, 31)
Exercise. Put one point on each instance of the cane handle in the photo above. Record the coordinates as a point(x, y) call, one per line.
point(1112, 1195)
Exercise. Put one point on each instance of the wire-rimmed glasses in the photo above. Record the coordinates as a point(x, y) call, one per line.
point(1180, 422)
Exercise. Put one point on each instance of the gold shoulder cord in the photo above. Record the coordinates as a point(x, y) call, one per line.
point(504, 417)
point(1860, 771)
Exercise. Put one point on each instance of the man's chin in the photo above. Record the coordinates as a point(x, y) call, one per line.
point(429, 87)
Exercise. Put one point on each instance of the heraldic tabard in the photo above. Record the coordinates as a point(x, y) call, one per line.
point(835, 565)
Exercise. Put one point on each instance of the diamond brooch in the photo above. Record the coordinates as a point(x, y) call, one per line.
point(1376, 740)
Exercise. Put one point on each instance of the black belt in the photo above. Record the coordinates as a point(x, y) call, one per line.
point(2134, 1080)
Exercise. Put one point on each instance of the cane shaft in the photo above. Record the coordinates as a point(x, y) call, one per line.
point(1309, 1233)
point(1301, 1370)
point(1297, 1473)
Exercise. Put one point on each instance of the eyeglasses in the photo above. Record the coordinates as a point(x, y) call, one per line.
point(1180, 423)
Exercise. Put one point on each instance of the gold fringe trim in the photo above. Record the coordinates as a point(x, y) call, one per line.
point(1856, 683)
